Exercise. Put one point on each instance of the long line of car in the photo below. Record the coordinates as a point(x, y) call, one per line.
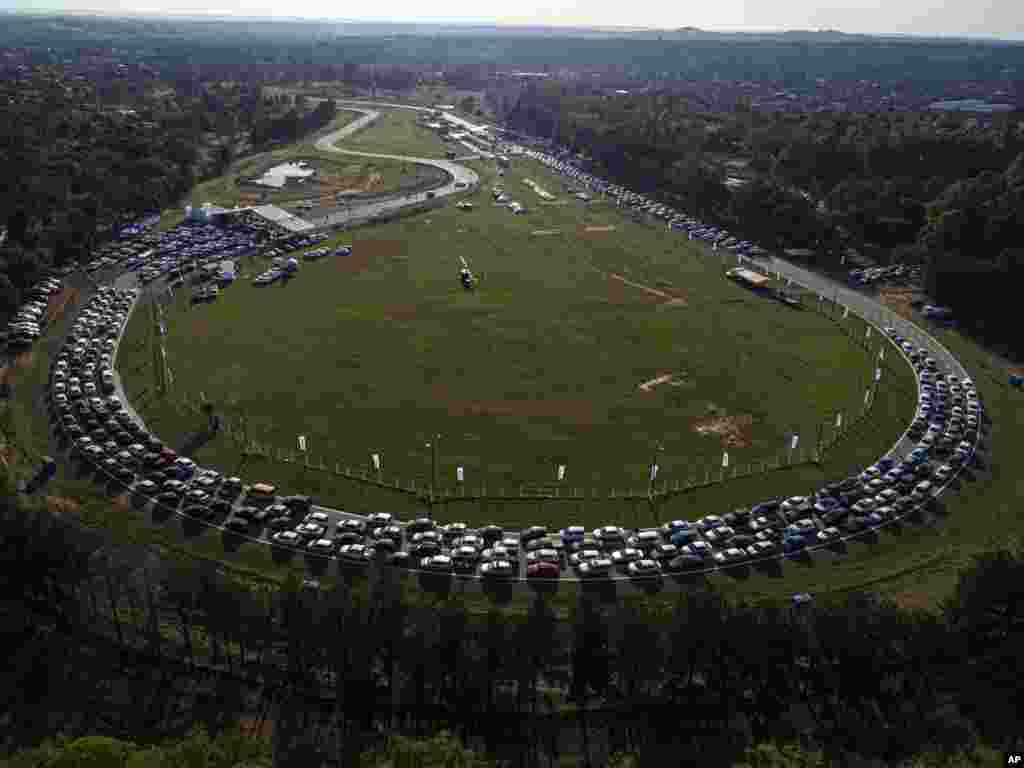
point(104, 434)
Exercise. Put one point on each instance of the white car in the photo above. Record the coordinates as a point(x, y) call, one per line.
point(627, 555)
point(644, 567)
point(829, 534)
point(761, 549)
point(921, 491)
point(609, 534)
point(322, 546)
point(439, 563)
point(311, 530)
point(286, 538)
point(944, 473)
point(320, 518)
point(731, 555)
point(499, 568)
point(578, 558)
point(720, 534)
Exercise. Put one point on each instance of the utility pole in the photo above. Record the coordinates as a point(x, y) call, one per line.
point(658, 448)
point(433, 467)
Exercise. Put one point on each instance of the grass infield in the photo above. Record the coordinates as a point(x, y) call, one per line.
point(587, 347)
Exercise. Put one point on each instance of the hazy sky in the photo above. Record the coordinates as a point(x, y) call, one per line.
point(988, 18)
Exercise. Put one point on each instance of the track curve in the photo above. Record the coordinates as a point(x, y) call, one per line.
point(864, 306)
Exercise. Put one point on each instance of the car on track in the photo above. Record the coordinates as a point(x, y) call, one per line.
point(494, 569)
point(356, 554)
point(437, 564)
point(543, 570)
point(644, 567)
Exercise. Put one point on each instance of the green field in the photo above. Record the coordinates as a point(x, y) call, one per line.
point(290, 355)
point(540, 366)
point(395, 132)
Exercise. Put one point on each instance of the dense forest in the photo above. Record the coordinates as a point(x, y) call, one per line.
point(115, 640)
point(937, 189)
point(79, 164)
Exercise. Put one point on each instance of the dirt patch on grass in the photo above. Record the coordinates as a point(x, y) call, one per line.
point(544, 232)
point(575, 411)
point(592, 232)
point(60, 505)
point(21, 361)
point(579, 412)
point(734, 431)
point(619, 293)
point(913, 601)
point(367, 251)
point(605, 228)
point(200, 328)
point(400, 312)
point(330, 186)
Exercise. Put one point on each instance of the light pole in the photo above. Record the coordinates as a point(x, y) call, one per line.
point(433, 467)
point(658, 448)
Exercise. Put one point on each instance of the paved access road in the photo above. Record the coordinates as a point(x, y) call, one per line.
point(460, 178)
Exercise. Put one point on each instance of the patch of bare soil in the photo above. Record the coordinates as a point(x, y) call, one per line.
point(200, 328)
point(606, 228)
point(21, 361)
point(617, 294)
point(734, 431)
point(400, 312)
point(8, 455)
point(579, 412)
point(913, 601)
point(60, 505)
point(330, 186)
point(365, 252)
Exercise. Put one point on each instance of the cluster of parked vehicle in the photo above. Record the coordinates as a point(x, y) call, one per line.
point(103, 433)
point(190, 248)
point(900, 274)
point(642, 205)
point(124, 252)
point(30, 319)
point(284, 266)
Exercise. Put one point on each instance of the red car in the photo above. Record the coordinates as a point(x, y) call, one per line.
point(543, 570)
point(169, 454)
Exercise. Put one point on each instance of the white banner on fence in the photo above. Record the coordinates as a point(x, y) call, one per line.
point(839, 420)
point(725, 459)
point(561, 471)
point(376, 461)
point(654, 472)
point(867, 396)
point(302, 442)
point(846, 311)
point(881, 354)
point(878, 374)
point(795, 443)
point(459, 474)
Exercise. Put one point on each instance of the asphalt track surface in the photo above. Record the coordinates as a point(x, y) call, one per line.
point(460, 178)
point(859, 303)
